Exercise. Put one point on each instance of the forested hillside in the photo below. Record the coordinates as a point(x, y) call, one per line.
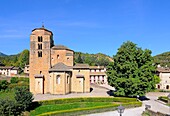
point(22, 58)
point(163, 59)
point(92, 59)
point(18, 60)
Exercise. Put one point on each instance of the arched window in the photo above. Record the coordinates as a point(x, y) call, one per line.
point(68, 80)
point(39, 53)
point(58, 79)
point(40, 39)
point(58, 56)
point(167, 87)
point(40, 46)
point(158, 86)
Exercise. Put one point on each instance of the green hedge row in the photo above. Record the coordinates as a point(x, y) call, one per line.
point(88, 99)
point(163, 98)
point(97, 109)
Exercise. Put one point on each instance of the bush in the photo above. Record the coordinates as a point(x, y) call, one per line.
point(87, 99)
point(8, 108)
point(3, 85)
point(163, 98)
point(23, 98)
point(14, 80)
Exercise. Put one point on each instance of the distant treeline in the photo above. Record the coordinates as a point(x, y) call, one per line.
point(22, 59)
point(18, 60)
point(163, 59)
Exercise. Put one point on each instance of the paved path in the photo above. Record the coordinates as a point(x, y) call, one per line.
point(155, 106)
point(96, 92)
point(128, 112)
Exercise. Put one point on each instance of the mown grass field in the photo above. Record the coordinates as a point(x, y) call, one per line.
point(80, 106)
point(59, 107)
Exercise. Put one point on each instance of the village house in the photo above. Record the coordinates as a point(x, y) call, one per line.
point(26, 70)
point(98, 75)
point(9, 70)
point(164, 74)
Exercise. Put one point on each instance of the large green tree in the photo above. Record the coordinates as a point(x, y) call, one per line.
point(133, 72)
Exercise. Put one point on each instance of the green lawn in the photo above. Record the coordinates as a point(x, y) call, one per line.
point(7, 95)
point(60, 107)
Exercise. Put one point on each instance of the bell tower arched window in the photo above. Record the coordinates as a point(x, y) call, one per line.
point(39, 53)
point(40, 39)
point(40, 46)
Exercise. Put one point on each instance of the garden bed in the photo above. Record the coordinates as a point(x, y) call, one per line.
point(79, 106)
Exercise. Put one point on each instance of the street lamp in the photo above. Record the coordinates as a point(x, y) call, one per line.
point(120, 109)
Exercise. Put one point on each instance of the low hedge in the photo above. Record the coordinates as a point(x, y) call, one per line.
point(163, 98)
point(97, 109)
point(88, 99)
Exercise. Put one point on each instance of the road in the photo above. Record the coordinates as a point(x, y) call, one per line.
point(155, 106)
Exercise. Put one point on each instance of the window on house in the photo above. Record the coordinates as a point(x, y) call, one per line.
point(40, 39)
point(67, 79)
point(39, 53)
point(40, 46)
point(58, 56)
point(58, 79)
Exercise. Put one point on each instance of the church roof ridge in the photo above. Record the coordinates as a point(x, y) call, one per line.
point(42, 28)
point(60, 67)
point(61, 47)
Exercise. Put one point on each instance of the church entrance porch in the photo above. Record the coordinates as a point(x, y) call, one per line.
point(80, 83)
point(39, 84)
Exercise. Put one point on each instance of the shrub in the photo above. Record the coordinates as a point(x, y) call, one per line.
point(163, 98)
point(23, 98)
point(14, 80)
point(87, 99)
point(3, 85)
point(8, 108)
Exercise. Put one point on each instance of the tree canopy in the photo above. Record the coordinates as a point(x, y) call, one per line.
point(132, 73)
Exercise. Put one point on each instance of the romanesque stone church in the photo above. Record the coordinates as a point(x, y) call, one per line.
point(51, 66)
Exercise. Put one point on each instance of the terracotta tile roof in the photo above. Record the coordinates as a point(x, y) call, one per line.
point(60, 47)
point(96, 67)
point(9, 67)
point(97, 73)
point(161, 69)
point(84, 66)
point(60, 67)
point(42, 28)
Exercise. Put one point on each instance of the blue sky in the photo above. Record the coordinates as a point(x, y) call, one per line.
point(90, 26)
